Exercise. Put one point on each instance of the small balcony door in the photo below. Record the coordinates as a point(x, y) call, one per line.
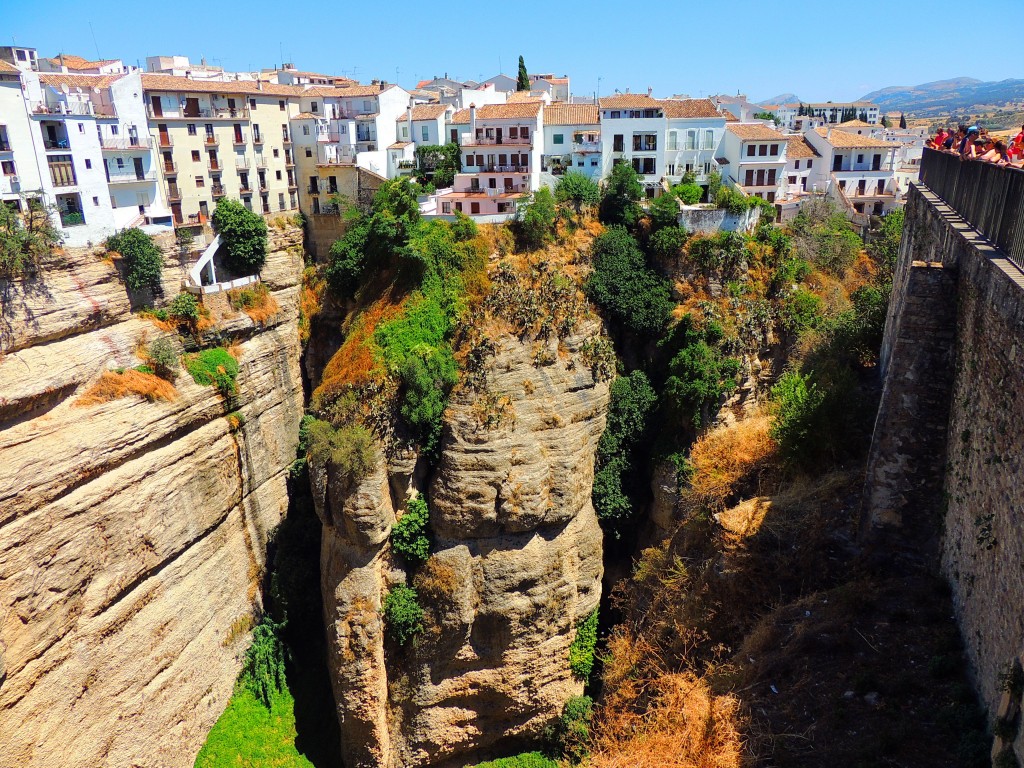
point(876, 163)
point(139, 173)
point(191, 107)
point(837, 163)
point(158, 107)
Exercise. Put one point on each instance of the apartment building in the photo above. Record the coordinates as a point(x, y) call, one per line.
point(694, 129)
point(572, 139)
point(221, 139)
point(348, 126)
point(857, 170)
point(421, 125)
point(633, 131)
point(832, 112)
point(23, 59)
point(501, 146)
point(798, 182)
point(754, 158)
point(19, 168)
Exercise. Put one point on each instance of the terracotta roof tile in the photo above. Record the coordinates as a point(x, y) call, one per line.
point(349, 91)
point(853, 124)
point(690, 108)
point(306, 116)
point(847, 139)
point(400, 145)
point(800, 148)
point(498, 112)
point(730, 117)
point(629, 101)
point(748, 131)
point(5, 67)
point(57, 79)
point(572, 114)
point(155, 82)
point(424, 112)
point(521, 97)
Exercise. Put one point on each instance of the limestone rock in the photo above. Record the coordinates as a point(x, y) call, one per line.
point(132, 534)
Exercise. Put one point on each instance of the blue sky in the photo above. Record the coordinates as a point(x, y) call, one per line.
point(818, 50)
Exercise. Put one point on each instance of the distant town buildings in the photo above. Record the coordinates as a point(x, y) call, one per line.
point(105, 145)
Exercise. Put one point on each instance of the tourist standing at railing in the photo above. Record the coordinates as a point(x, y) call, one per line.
point(940, 138)
point(1017, 145)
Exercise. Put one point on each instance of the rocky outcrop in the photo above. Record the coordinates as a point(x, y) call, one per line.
point(516, 562)
point(132, 533)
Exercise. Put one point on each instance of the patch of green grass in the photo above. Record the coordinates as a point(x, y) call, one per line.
point(248, 734)
point(525, 760)
point(213, 366)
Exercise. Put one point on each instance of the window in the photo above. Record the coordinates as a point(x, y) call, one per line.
point(281, 104)
point(470, 160)
point(305, 130)
point(8, 167)
point(280, 201)
point(113, 130)
point(709, 139)
point(81, 127)
point(524, 133)
point(798, 165)
point(558, 138)
point(277, 175)
point(792, 179)
point(200, 181)
point(252, 103)
point(88, 163)
point(771, 177)
point(21, 55)
point(425, 133)
point(645, 142)
point(209, 130)
point(314, 107)
point(195, 155)
point(446, 207)
point(276, 153)
point(120, 163)
point(809, 163)
point(405, 132)
point(458, 206)
point(367, 106)
point(673, 140)
point(751, 151)
point(762, 150)
point(95, 201)
point(860, 158)
point(615, 115)
point(748, 181)
point(691, 139)
point(474, 207)
point(593, 162)
point(309, 151)
point(617, 142)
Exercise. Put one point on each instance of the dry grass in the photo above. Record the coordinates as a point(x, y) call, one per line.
point(311, 300)
point(662, 719)
point(255, 301)
point(726, 458)
point(113, 385)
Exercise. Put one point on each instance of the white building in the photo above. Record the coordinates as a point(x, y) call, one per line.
point(572, 139)
point(803, 161)
point(694, 130)
point(633, 131)
point(421, 125)
point(19, 167)
point(858, 171)
point(755, 158)
point(557, 87)
point(502, 145)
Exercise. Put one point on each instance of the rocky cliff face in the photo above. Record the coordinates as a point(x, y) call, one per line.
point(132, 533)
point(516, 562)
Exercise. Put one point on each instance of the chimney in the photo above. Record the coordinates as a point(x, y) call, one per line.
point(408, 119)
point(649, 91)
point(472, 121)
point(743, 113)
point(259, 84)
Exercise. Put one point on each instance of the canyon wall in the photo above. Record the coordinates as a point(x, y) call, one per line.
point(516, 563)
point(132, 533)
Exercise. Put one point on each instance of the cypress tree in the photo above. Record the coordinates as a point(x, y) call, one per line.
point(523, 82)
point(903, 121)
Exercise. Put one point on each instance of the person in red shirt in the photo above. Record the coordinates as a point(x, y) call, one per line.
point(1017, 145)
point(940, 137)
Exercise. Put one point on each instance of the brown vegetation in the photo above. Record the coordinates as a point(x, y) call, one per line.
point(113, 385)
point(311, 298)
point(733, 459)
point(255, 301)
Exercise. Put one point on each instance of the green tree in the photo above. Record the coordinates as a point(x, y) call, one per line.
point(263, 669)
point(668, 243)
point(577, 189)
point(581, 650)
point(885, 247)
point(25, 240)
point(903, 122)
point(569, 737)
point(164, 359)
point(410, 535)
point(620, 201)
point(624, 286)
point(664, 212)
point(885, 121)
point(403, 615)
point(699, 373)
point(523, 80)
point(534, 224)
point(142, 260)
point(426, 381)
point(243, 235)
point(714, 185)
point(690, 193)
point(438, 165)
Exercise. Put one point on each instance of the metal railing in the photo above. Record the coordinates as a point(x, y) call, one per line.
point(169, 113)
point(217, 190)
point(131, 178)
point(468, 140)
point(211, 140)
point(122, 144)
point(989, 197)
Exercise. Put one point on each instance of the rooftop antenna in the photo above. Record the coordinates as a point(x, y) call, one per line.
point(98, 57)
point(280, 51)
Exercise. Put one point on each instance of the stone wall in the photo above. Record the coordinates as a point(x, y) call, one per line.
point(980, 504)
point(132, 533)
point(709, 221)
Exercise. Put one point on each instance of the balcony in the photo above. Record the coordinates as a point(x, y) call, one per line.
point(343, 160)
point(313, 189)
point(129, 144)
point(292, 185)
point(286, 140)
point(215, 166)
point(217, 190)
point(71, 219)
point(74, 108)
point(263, 186)
point(486, 141)
point(496, 169)
point(211, 113)
point(261, 161)
point(238, 140)
point(328, 138)
point(59, 144)
point(586, 147)
point(165, 141)
point(173, 195)
point(170, 168)
point(257, 138)
point(131, 178)
point(242, 163)
point(289, 161)
point(245, 190)
point(211, 141)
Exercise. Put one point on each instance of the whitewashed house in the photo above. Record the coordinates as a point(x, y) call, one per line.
point(858, 171)
point(633, 131)
point(754, 158)
point(694, 130)
point(572, 139)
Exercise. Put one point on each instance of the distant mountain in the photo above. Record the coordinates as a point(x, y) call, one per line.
point(782, 98)
point(946, 97)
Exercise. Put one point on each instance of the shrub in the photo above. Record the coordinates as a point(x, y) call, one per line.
point(215, 367)
point(255, 300)
point(577, 189)
point(403, 615)
point(184, 308)
point(824, 237)
point(350, 448)
point(798, 402)
point(25, 239)
point(619, 203)
point(142, 260)
point(438, 165)
point(348, 260)
point(164, 359)
point(409, 536)
point(799, 311)
point(263, 669)
point(664, 212)
point(463, 228)
point(616, 483)
point(690, 193)
point(624, 286)
point(668, 243)
point(724, 253)
point(525, 760)
point(244, 236)
point(699, 373)
point(534, 224)
point(581, 650)
point(570, 735)
point(885, 247)
point(426, 382)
